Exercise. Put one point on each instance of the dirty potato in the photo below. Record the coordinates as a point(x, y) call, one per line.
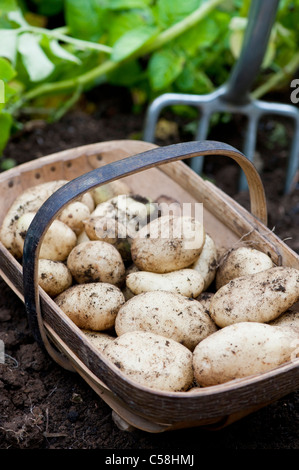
point(98, 339)
point(91, 306)
point(133, 211)
point(168, 243)
point(99, 261)
point(152, 360)
point(53, 276)
point(167, 314)
point(74, 215)
point(241, 350)
point(288, 319)
point(240, 262)
point(30, 200)
point(259, 297)
point(206, 263)
point(58, 241)
point(187, 282)
point(110, 231)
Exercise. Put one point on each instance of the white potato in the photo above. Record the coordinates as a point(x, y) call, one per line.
point(205, 299)
point(241, 350)
point(168, 243)
point(96, 261)
point(167, 314)
point(91, 306)
point(53, 276)
point(58, 241)
point(82, 237)
point(30, 200)
point(152, 360)
point(259, 297)
point(98, 339)
point(206, 263)
point(74, 215)
point(288, 319)
point(133, 211)
point(87, 199)
point(240, 262)
point(187, 282)
point(125, 289)
point(110, 190)
point(110, 231)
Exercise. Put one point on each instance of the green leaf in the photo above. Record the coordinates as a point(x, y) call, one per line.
point(127, 74)
point(132, 41)
point(5, 126)
point(169, 12)
point(46, 8)
point(8, 5)
point(36, 62)
point(62, 53)
point(164, 67)
point(7, 72)
point(8, 44)
point(193, 80)
point(7, 164)
point(85, 18)
point(127, 4)
point(121, 23)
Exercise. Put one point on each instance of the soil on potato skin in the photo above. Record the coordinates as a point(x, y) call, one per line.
point(43, 406)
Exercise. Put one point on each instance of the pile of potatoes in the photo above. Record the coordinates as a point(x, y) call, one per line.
point(149, 289)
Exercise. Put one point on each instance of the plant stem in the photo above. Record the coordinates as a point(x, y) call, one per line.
point(277, 78)
point(65, 85)
point(178, 28)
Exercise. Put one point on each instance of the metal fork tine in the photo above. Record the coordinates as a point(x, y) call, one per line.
point(234, 96)
point(249, 147)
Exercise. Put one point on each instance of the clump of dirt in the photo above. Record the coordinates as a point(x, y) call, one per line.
point(44, 406)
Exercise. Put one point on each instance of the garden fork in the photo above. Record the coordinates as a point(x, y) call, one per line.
point(234, 96)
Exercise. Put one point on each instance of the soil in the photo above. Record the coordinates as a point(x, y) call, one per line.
point(42, 406)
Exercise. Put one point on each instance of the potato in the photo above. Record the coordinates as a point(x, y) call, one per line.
point(167, 314)
point(125, 289)
point(241, 350)
point(168, 206)
point(53, 276)
point(30, 200)
point(240, 262)
point(98, 339)
point(87, 199)
point(96, 261)
point(206, 263)
point(152, 360)
point(74, 215)
point(82, 237)
point(110, 190)
point(91, 306)
point(259, 297)
point(133, 211)
point(58, 241)
point(110, 231)
point(168, 243)
point(187, 282)
point(205, 299)
point(288, 319)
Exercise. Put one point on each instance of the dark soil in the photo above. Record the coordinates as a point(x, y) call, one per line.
point(42, 406)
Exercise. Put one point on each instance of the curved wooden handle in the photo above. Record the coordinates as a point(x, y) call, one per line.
point(118, 169)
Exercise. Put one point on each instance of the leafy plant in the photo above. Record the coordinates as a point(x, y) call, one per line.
point(149, 46)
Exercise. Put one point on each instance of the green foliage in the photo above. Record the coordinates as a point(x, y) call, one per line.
point(149, 46)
